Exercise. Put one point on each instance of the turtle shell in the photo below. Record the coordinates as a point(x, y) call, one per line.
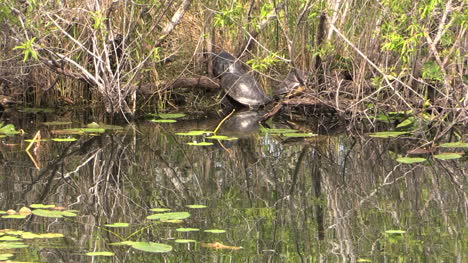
point(226, 63)
point(244, 89)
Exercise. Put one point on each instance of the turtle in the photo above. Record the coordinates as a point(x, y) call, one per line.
point(290, 83)
point(244, 89)
point(226, 63)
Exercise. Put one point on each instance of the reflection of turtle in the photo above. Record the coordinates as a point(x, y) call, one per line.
point(226, 63)
point(242, 124)
point(244, 89)
point(290, 83)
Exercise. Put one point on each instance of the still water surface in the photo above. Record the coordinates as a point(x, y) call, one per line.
point(339, 196)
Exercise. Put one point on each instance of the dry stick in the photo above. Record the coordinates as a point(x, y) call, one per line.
point(174, 21)
point(385, 76)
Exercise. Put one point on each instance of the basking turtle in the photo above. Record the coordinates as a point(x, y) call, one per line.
point(226, 63)
point(290, 83)
point(244, 89)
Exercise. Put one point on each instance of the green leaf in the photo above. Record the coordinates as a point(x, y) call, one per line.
point(200, 143)
point(387, 134)
point(100, 253)
point(42, 206)
point(160, 209)
point(64, 139)
point(187, 229)
point(171, 115)
point(5, 256)
point(448, 156)
point(196, 206)
point(215, 231)
point(9, 238)
point(118, 225)
point(151, 247)
point(169, 216)
point(15, 216)
point(164, 121)
point(8, 129)
point(12, 245)
point(459, 144)
point(56, 123)
point(410, 160)
point(221, 138)
point(193, 133)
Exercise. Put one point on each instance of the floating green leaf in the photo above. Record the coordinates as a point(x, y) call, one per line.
point(193, 133)
point(387, 134)
point(64, 139)
point(298, 135)
point(5, 256)
point(215, 231)
point(12, 245)
point(8, 129)
point(123, 243)
point(410, 160)
point(200, 143)
point(170, 216)
point(455, 145)
point(15, 216)
point(100, 253)
point(118, 225)
point(164, 121)
point(9, 238)
point(160, 209)
point(221, 138)
point(196, 206)
point(395, 232)
point(448, 156)
point(41, 206)
point(2, 212)
point(36, 110)
point(171, 115)
point(187, 229)
point(151, 247)
point(47, 213)
point(184, 241)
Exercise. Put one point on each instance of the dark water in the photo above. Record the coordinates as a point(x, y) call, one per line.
point(328, 198)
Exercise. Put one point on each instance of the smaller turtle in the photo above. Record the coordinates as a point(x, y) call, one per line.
point(290, 83)
point(226, 63)
point(244, 89)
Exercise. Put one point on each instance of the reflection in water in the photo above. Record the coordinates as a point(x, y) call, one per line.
point(326, 198)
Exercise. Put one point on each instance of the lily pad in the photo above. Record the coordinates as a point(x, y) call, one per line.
point(171, 115)
point(41, 206)
point(9, 238)
point(5, 256)
point(187, 229)
point(164, 121)
point(200, 143)
point(448, 156)
point(387, 134)
point(222, 138)
point(12, 245)
point(8, 129)
point(410, 160)
point(151, 247)
point(64, 139)
point(193, 133)
point(118, 225)
point(100, 253)
point(196, 206)
point(36, 110)
point(184, 241)
point(160, 209)
point(169, 216)
point(215, 231)
point(455, 145)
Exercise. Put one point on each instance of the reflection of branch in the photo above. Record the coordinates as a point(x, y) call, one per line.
point(65, 176)
point(36, 139)
point(366, 198)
